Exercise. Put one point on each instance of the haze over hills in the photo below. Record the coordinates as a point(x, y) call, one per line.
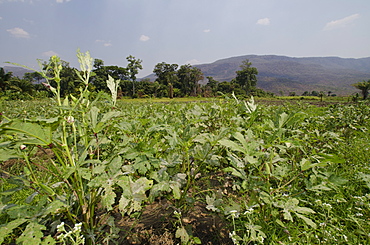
point(288, 74)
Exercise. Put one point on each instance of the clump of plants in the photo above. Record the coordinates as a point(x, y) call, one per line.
point(96, 171)
point(78, 180)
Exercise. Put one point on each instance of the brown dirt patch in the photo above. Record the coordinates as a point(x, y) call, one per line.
point(157, 225)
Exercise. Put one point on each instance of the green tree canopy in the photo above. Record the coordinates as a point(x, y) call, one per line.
point(213, 84)
point(188, 77)
point(247, 76)
point(4, 79)
point(133, 67)
point(101, 74)
point(22, 85)
point(33, 77)
point(364, 86)
point(166, 73)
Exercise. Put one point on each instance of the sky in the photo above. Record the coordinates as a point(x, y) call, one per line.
point(181, 31)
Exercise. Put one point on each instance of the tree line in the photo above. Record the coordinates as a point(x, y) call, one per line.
point(171, 81)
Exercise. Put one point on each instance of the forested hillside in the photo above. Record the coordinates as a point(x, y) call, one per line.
point(286, 74)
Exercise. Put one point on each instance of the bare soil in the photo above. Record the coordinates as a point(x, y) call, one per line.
point(157, 225)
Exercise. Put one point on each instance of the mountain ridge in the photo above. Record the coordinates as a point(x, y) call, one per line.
point(16, 71)
point(284, 74)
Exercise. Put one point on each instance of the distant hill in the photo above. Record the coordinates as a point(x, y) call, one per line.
point(289, 74)
point(16, 71)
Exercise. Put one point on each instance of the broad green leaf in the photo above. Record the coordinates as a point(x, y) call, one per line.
point(237, 162)
point(105, 120)
point(93, 116)
point(123, 204)
point(133, 193)
point(287, 215)
point(303, 210)
point(365, 178)
point(20, 211)
point(7, 229)
point(47, 189)
point(241, 139)
point(49, 240)
point(32, 234)
point(182, 234)
point(213, 203)
point(115, 165)
point(37, 134)
point(307, 220)
point(99, 169)
point(142, 165)
point(231, 145)
point(68, 171)
point(52, 122)
point(234, 172)
point(84, 173)
point(306, 164)
point(30, 198)
point(98, 181)
point(141, 185)
point(54, 207)
point(322, 187)
point(337, 180)
point(202, 138)
point(176, 190)
point(283, 119)
point(279, 222)
point(331, 158)
point(11, 191)
point(113, 87)
point(197, 240)
point(6, 154)
point(108, 197)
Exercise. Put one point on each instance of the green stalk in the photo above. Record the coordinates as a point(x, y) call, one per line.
point(25, 156)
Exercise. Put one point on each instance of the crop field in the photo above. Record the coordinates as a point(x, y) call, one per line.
point(84, 170)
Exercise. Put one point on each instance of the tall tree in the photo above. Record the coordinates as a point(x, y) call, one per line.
point(101, 74)
point(188, 78)
point(98, 63)
point(247, 76)
point(33, 77)
point(133, 67)
point(212, 83)
point(22, 85)
point(4, 79)
point(166, 75)
point(364, 86)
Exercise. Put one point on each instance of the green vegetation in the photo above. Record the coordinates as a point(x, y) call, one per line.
point(364, 86)
point(172, 81)
point(90, 169)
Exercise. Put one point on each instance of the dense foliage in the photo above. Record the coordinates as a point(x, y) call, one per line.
point(171, 81)
point(287, 174)
point(364, 87)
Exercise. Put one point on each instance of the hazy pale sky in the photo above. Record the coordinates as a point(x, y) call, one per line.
point(181, 31)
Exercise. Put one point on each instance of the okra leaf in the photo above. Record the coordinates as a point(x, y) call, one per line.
point(307, 220)
point(32, 234)
point(36, 133)
point(9, 227)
